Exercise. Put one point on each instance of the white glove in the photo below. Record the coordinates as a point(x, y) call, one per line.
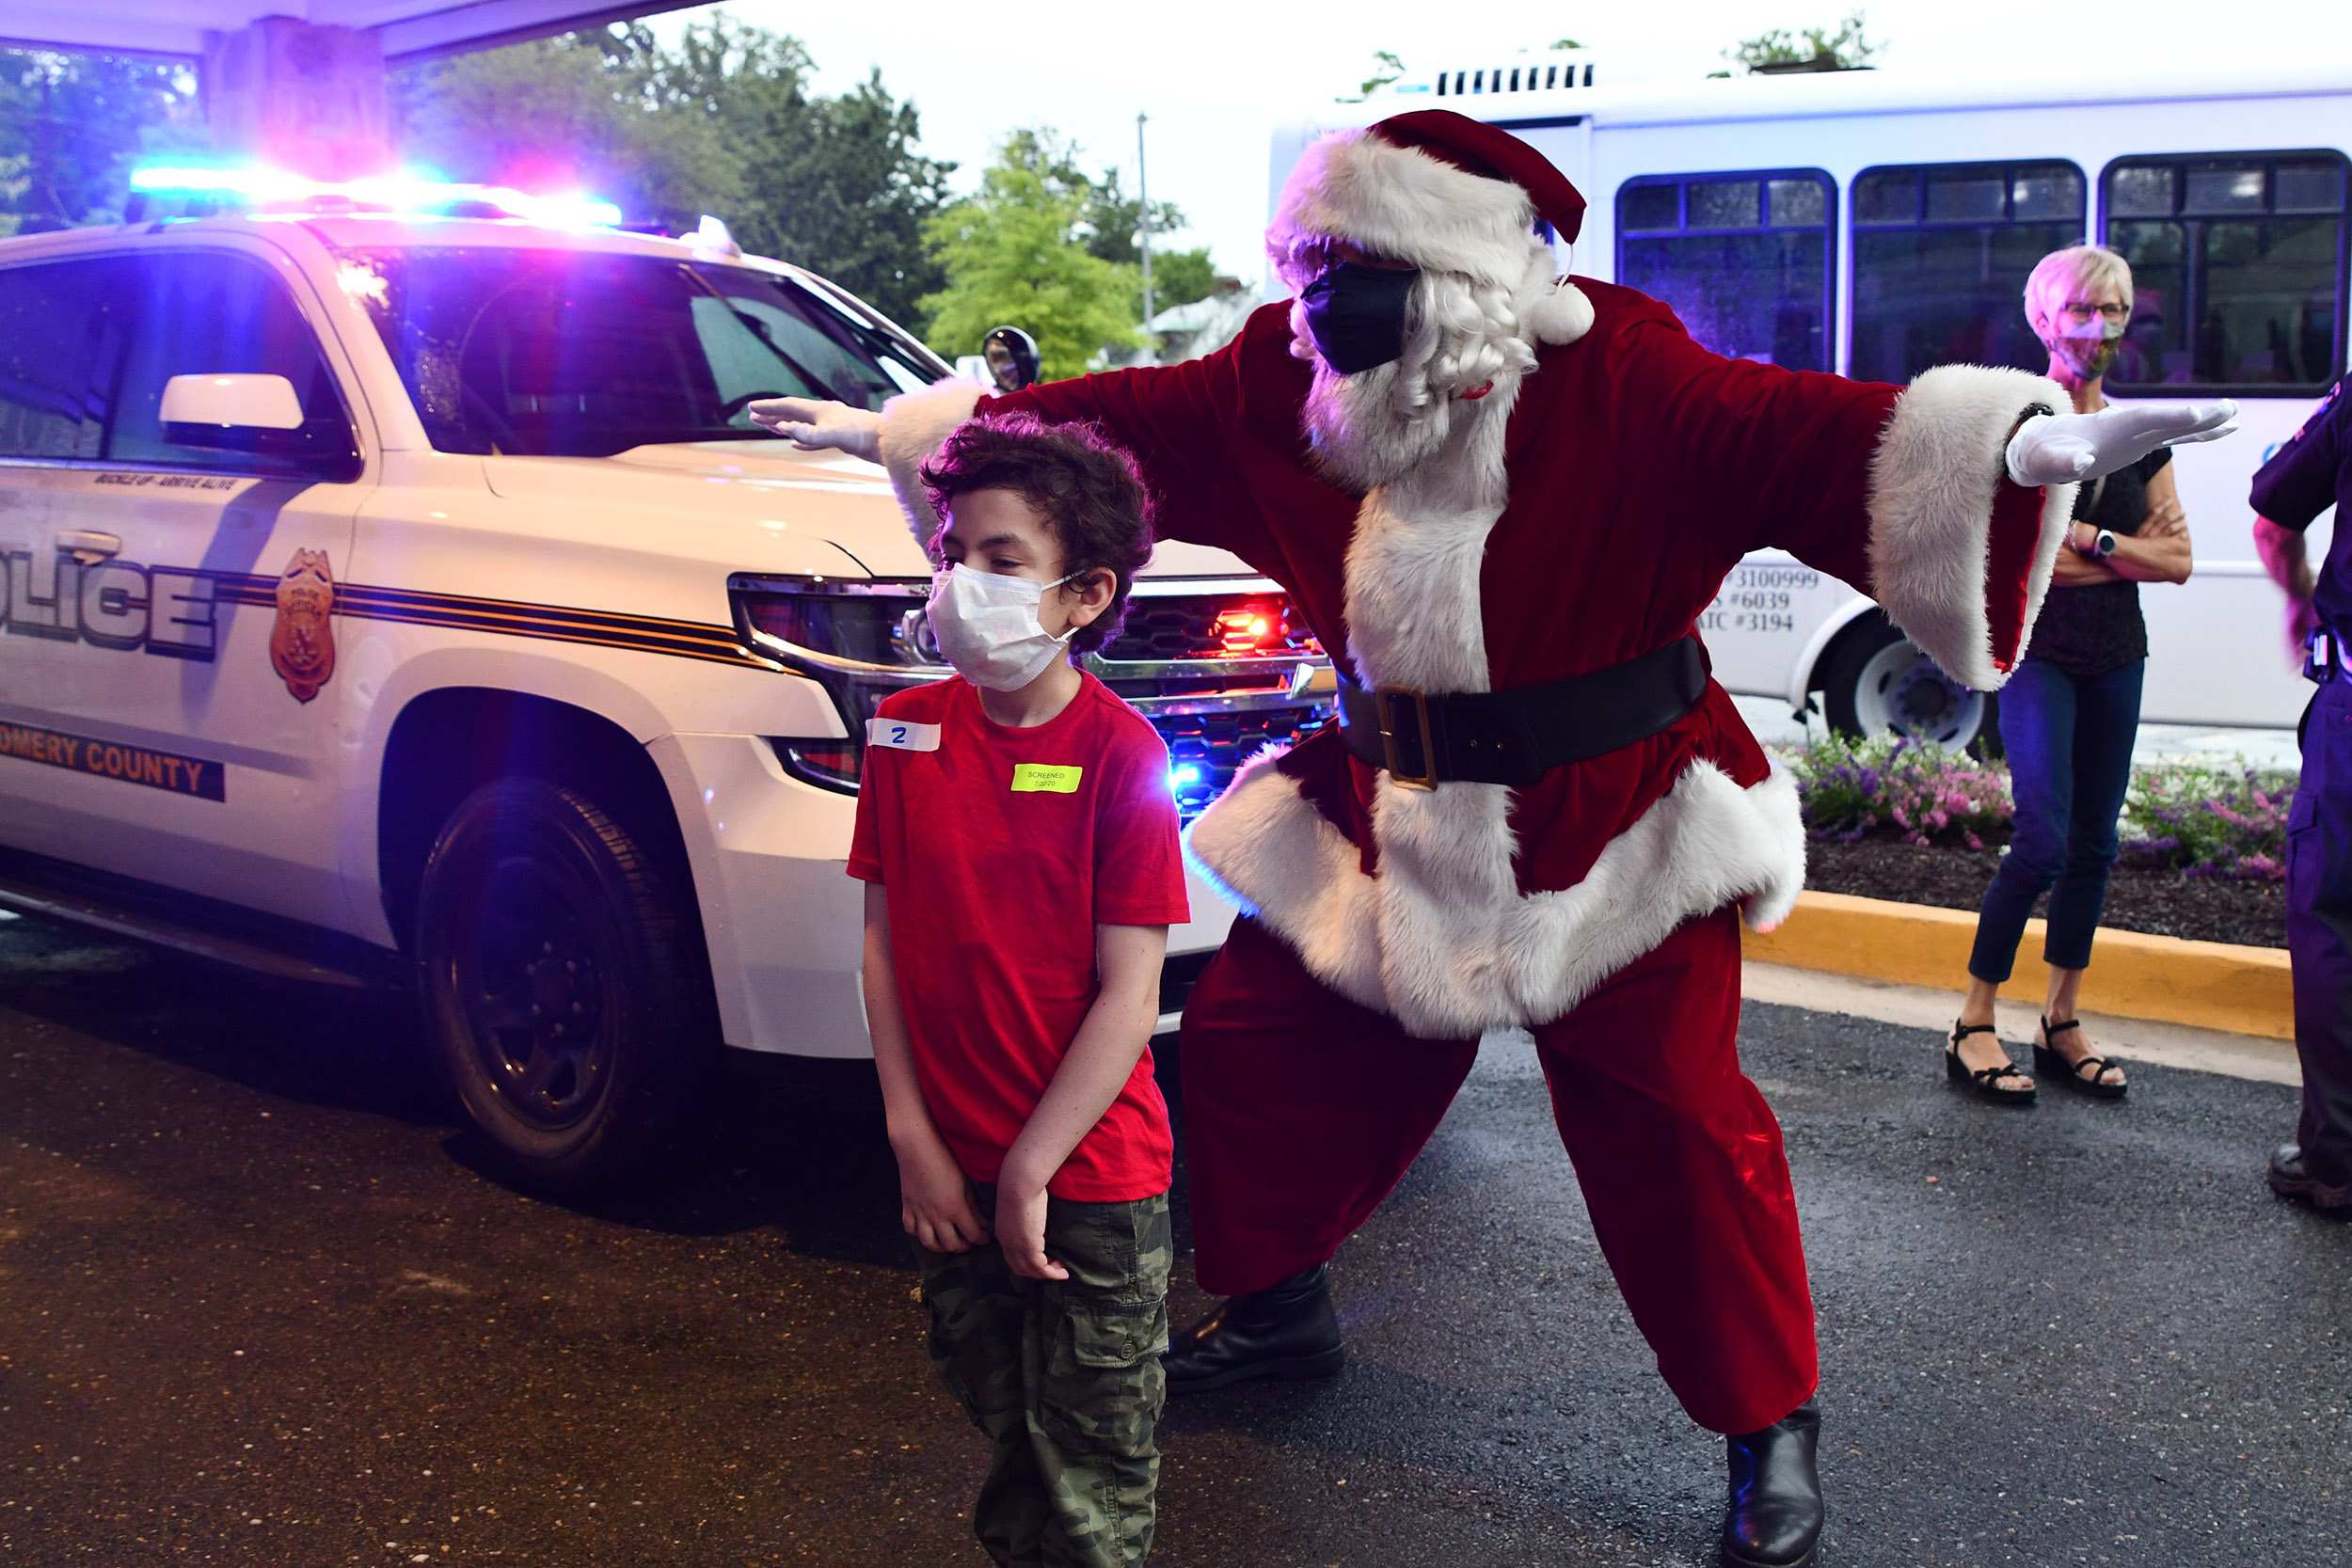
point(2061, 449)
point(813, 425)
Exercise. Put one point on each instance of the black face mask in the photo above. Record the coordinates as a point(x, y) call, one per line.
point(1356, 314)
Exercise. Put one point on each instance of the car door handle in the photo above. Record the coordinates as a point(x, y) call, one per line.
point(87, 548)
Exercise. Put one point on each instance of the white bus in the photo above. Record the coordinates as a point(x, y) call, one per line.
point(1876, 223)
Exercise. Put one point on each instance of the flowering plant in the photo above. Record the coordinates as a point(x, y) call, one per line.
point(1847, 788)
point(2209, 821)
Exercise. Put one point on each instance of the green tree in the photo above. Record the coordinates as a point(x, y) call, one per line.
point(1386, 68)
point(1111, 223)
point(1181, 277)
point(722, 123)
point(71, 126)
point(1017, 253)
point(577, 111)
point(834, 183)
point(1813, 49)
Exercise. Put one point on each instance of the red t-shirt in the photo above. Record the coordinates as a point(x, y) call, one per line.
point(1001, 851)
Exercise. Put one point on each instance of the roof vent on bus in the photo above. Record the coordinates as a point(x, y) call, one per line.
point(1553, 71)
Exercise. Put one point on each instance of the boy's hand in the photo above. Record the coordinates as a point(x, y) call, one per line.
point(1021, 1231)
point(935, 1201)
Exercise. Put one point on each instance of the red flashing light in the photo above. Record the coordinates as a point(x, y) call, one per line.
point(1250, 628)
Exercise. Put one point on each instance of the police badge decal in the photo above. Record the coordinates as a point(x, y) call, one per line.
point(302, 643)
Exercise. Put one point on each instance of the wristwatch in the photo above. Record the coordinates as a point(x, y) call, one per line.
point(2104, 545)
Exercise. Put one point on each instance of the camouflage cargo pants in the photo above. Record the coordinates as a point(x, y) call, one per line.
point(1064, 1377)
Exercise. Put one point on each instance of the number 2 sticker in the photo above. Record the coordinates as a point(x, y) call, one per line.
point(901, 736)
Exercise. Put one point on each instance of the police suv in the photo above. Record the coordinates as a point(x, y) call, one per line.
point(406, 594)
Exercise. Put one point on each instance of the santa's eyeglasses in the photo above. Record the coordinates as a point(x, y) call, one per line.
point(1303, 258)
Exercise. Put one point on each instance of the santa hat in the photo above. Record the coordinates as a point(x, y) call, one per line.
point(1444, 192)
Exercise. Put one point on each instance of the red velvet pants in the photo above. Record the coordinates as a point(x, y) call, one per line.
point(1302, 1111)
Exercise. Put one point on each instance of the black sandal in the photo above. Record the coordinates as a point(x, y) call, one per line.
point(2053, 1063)
point(1985, 1082)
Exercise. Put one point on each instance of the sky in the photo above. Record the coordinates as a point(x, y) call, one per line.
point(1213, 87)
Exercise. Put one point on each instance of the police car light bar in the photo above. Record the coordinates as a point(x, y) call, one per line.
point(394, 193)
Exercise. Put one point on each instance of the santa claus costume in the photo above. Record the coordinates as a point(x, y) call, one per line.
point(1503, 521)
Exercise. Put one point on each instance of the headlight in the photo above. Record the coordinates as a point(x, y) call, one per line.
point(1214, 666)
point(863, 639)
point(886, 629)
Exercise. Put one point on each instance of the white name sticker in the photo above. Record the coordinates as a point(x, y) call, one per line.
point(899, 736)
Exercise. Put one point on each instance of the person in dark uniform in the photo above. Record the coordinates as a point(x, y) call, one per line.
point(2304, 478)
point(2071, 712)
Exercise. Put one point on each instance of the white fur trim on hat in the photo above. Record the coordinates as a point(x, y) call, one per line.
point(1933, 482)
point(1561, 316)
point(914, 426)
point(1402, 203)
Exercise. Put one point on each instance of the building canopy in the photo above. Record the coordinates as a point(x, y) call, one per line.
point(399, 29)
point(300, 84)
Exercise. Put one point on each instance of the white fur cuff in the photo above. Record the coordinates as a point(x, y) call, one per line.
point(914, 426)
point(1932, 483)
point(1448, 963)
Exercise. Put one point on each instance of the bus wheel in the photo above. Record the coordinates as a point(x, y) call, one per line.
point(1876, 681)
point(563, 986)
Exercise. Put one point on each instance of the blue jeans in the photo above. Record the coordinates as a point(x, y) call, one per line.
point(2070, 761)
point(2319, 930)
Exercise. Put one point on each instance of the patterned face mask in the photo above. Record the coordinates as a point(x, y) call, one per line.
point(2089, 347)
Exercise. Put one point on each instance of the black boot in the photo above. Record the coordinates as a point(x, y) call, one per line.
point(1288, 1330)
point(2294, 1175)
point(1774, 1520)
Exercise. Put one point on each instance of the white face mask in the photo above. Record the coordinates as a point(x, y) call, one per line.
point(987, 625)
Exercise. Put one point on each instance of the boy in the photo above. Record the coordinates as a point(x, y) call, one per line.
point(1018, 839)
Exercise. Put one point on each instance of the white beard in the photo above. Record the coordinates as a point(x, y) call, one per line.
point(1383, 425)
point(1359, 436)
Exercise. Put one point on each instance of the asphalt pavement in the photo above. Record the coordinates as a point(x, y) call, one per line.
point(258, 1305)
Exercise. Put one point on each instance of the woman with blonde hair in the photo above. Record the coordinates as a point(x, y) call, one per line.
point(2071, 712)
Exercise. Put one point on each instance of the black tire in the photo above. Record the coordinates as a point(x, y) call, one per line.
point(1854, 660)
point(577, 1077)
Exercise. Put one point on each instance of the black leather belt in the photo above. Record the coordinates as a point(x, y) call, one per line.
point(1516, 737)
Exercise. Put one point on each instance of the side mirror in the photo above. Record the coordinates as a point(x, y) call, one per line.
point(1012, 359)
point(259, 415)
point(219, 403)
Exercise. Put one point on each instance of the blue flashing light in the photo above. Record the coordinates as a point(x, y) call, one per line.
point(1183, 773)
point(384, 193)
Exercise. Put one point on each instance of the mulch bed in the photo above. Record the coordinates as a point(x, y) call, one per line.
point(2161, 903)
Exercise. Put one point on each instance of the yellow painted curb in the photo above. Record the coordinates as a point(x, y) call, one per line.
point(2206, 985)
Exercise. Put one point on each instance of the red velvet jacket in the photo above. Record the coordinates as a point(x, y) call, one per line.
point(1638, 468)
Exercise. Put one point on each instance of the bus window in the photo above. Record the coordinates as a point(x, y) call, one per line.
point(1743, 258)
point(1941, 252)
point(2248, 247)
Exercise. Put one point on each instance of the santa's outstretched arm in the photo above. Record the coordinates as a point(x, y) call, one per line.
point(1971, 489)
point(1174, 421)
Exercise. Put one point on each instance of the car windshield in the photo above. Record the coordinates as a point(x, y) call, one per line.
point(558, 353)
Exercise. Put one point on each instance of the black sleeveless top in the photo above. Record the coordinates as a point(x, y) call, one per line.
point(2095, 629)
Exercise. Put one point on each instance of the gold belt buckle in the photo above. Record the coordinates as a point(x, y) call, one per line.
point(1382, 706)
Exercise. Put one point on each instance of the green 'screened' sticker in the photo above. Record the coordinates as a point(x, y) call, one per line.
point(1045, 779)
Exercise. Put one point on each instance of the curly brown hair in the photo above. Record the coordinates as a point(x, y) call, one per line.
point(1083, 484)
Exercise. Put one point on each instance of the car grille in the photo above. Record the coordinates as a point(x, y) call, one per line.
point(1185, 627)
point(1205, 750)
point(1179, 973)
